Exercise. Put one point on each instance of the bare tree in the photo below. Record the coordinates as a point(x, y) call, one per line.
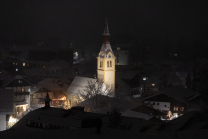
point(94, 91)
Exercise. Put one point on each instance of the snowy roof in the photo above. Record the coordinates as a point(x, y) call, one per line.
point(8, 78)
point(6, 101)
point(79, 83)
point(105, 49)
point(53, 84)
point(110, 102)
point(180, 93)
point(177, 92)
point(177, 123)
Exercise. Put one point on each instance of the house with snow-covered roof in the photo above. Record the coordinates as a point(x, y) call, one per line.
point(173, 101)
point(21, 88)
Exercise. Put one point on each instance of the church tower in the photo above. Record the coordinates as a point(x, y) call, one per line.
point(106, 61)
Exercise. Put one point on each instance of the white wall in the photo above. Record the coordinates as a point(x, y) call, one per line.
point(161, 105)
point(2, 122)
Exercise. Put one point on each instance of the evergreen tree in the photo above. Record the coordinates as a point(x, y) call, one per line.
point(188, 80)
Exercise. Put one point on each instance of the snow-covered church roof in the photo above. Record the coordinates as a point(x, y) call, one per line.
point(106, 47)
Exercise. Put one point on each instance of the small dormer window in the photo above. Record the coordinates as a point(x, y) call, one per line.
point(19, 81)
point(109, 56)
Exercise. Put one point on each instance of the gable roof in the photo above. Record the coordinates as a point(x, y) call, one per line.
point(177, 92)
point(53, 84)
point(79, 83)
point(8, 78)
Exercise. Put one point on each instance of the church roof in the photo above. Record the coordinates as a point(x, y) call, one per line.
point(105, 49)
point(78, 84)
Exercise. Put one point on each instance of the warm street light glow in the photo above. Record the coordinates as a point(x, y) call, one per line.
point(11, 122)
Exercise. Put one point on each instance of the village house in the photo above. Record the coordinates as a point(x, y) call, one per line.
point(21, 89)
point(173, 101)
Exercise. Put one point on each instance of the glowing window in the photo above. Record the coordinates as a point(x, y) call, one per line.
point(110, 63)
point(16, 64)
point(107, 63)
point(175, 108)
point(141, 88)
point(23, 89)
point(181, 108)
point(153, 84)
point(19, 81)
point(100, 63)
point(16, 69)
point(118, 63)
point(13, 63)
point(175, 55)
point(23, 64)
point(118, 48)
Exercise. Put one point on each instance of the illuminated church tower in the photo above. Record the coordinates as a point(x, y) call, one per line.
point(106, 61)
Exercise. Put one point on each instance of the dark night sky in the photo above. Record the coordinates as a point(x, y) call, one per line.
point(83, 22)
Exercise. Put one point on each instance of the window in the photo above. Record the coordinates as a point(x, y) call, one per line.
point(153, 84)
point(148, 102)
point(23, 89)
point(165, 105)
point(175, 108)
point(107, 63)
point(109, 56)
point(141, 88)
point(181, 108)
point(13, 63)
point(16, 69)
point(110, 63)
point(28, 65)
point(153, 103)
point(19, 81)
point(118, 48)
point(101, 64)
point(23, 64)
point(158, 103)
point(16, 64)
point(175, 55)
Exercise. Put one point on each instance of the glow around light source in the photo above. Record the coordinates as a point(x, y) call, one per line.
point(16, 69)
point(23, 64)
point(11, 122)
point(144, 78)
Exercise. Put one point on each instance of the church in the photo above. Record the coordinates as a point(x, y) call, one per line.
point(105, 70)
